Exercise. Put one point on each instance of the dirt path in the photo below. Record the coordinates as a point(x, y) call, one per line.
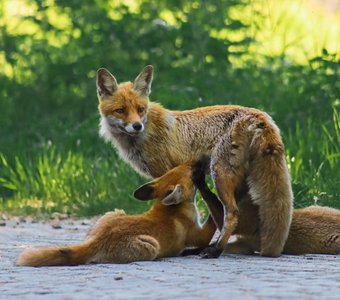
point(229, 277)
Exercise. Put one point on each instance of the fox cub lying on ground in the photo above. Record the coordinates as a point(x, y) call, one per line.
point(171, 225)
point(243, 144)
point(314, 229)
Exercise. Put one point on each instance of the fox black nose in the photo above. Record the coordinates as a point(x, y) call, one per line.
point(137, 126)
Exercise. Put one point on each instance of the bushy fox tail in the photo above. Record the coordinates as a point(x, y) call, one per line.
point(269, 184)
point(57, 256)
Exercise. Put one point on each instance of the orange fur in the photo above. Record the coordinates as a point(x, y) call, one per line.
point(314, 229)
point(243, 144)
point(166, 229)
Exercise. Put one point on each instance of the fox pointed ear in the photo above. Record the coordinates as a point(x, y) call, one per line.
point(142, 83)
point(175, 196)
point(145, 192)
point(106, 83)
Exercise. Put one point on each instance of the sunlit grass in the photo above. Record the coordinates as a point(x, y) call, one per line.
point(68, 183)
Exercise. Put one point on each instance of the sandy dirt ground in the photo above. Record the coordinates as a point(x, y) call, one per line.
point(228, 277)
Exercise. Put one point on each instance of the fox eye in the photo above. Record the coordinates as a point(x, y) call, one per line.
point(119, 110)
point(141, 109)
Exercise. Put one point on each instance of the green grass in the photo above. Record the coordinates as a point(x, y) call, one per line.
point(69, 183)
point(313, 156)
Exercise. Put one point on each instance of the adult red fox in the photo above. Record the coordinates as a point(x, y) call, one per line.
point(171, 225)
point(314, 229)
point(243, 144)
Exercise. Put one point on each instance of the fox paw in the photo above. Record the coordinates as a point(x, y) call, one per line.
point(211, 252)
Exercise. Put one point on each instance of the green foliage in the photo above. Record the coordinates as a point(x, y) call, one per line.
point(51, 51)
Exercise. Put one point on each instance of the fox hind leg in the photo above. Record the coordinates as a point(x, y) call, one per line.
point(252, 150)
point(138, 248)
point(228, 166)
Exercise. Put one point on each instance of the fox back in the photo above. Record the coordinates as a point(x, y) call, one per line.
point(314, 229)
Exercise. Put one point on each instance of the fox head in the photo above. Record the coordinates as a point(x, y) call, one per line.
point(123, 107)
point(175, 187)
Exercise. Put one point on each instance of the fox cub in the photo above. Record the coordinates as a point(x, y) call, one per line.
point(171, 225)
point(314, 229)
point(243, 144)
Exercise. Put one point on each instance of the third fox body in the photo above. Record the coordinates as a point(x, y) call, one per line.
point(243, 144)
